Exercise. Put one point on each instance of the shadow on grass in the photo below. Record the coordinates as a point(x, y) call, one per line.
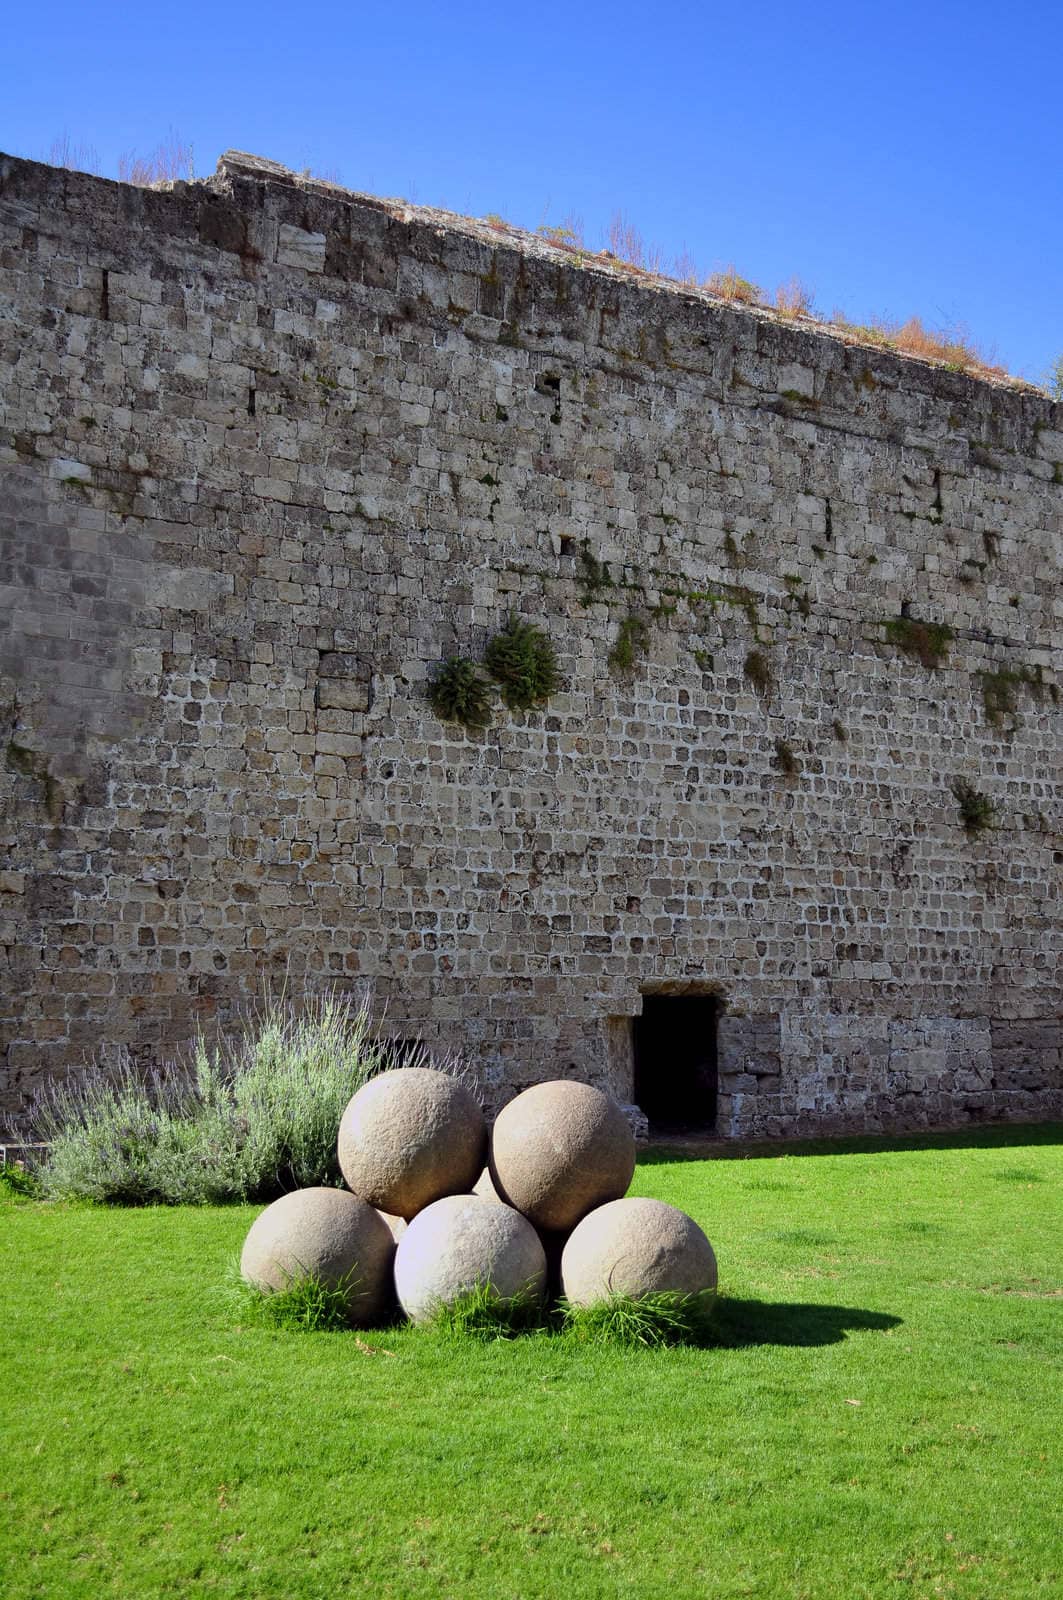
point(662, 1152)
point(739, 1324)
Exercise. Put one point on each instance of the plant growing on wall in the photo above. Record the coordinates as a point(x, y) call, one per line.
point(976, 809)
point(595, 574)
point(1054, 380)
point(631, 642)
point(927, 642)
point(460, 692)
point(523, 663)
point(785, 759)
point(1000, 690)
point(757, 671)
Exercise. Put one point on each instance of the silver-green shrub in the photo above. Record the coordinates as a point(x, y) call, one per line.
point(247, 1121)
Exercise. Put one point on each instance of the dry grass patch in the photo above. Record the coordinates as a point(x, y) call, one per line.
point(169, 162)
point(729, 285)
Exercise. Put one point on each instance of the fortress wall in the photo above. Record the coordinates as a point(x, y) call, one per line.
point(268, 451)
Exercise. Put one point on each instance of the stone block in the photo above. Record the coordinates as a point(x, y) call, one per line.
point(297, 247)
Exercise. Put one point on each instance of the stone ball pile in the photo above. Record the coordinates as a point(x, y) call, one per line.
point(436, 1206)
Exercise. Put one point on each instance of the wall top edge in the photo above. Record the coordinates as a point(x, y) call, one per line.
point(237, 171)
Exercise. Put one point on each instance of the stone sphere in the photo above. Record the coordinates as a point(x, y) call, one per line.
point(409, 1137)
point(636, 1247)
point(396, 1225)
point(560, 1149)
point(328, 1234)
point(461, 1242)
point(486, 1189)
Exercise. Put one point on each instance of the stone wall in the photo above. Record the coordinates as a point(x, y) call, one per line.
point(269, 451)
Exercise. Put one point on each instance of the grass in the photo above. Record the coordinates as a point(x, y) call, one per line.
point(651, 1323)
point(876, 1418)
point(482, 1314)
point(307, 1305)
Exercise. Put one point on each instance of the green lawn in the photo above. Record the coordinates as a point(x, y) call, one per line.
point(880, 1418)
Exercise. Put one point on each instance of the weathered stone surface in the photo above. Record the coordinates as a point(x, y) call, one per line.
point(396, 1225)
point(299, 248)
point(460, 1243)
point(636, 1247)
point(559, 1149)
point(409, 1137)
point(553, 1243)
point(241, 524)
point(637, 1121)
point(325, 1233)
point(485, 1189)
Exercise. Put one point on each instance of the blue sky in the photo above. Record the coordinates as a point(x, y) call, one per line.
point(897, 158)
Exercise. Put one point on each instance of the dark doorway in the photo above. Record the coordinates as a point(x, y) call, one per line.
point(675, 1062)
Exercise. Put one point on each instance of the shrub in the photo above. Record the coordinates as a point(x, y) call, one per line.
point(523, 663)
point(792, 299)
point(625, 243)
point(951, 346)
point(170, 161)
point(1000, 695)
point(63, 152)
point(785, 759)
point(1000, 690)
point(1054, 380)
point(247, 1122)
point(19, 1183)
point(596, 575)
point(567, 235)
point(976, 809)
point(461, 693)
